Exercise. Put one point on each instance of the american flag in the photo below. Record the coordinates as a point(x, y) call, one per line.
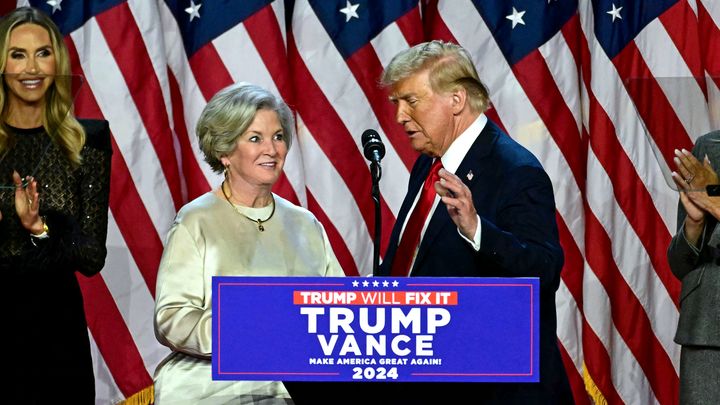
point(600, 91)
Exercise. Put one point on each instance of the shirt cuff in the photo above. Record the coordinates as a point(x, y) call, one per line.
point(475, 242)
point(692, 246)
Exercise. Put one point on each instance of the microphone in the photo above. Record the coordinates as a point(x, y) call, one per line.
point(373, 148)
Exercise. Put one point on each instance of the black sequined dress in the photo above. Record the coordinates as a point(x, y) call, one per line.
point(45, 334)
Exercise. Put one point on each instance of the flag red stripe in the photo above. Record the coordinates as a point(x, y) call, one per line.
point(598, 364)
point(435, 27)
point(577, 385)
point(366, 67)
point(574, 262)
point(710, 40)
point(341, 251)
point(127, 207)
point(681, 24)
point(283, 188)
point(335, 141)
point(539, 85)
point(144, 87)
point(637, 205)
point(572, 32)
point(630, 318)
point(209, 70)
point(6, 7)
point(411, 27)
point(651, 102)
point(112, 336)
point(265, 33)
point(630, 192)
point(134, 222)
point(194, 178)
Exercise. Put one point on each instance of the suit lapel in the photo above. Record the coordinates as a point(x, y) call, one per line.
point(474, 162)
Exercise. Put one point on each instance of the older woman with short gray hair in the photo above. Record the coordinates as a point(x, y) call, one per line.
point(239, 229)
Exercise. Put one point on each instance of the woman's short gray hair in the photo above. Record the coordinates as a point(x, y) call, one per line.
point(450, 67)
point(228, 115)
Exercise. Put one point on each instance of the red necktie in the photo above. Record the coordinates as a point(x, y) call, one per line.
point(411, 237)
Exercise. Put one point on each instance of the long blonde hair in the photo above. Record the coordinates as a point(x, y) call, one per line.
point(58, 118)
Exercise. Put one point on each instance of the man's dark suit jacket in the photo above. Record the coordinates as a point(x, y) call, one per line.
point(514, 198)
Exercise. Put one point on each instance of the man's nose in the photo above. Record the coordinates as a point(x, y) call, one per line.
point(401, 117)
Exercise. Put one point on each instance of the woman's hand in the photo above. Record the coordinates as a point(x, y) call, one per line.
point(691, 178)
point(27, 204)
point(691, 174)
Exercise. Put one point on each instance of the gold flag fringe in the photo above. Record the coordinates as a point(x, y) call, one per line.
point(145, 396)
point(593, 391)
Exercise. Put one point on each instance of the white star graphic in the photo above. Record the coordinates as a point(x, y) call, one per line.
point(516, 17)
point(355, 283)
point(365, 283)
point(615, 12)
point(350, 11)
point(376, 283)
point(395, 283)
point(385, 283)
point(55, 4)
point(193, 10)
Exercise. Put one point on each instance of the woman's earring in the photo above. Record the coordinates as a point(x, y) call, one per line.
point(226, 172)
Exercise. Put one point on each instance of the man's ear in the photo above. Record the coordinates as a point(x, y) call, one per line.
point(459, 100)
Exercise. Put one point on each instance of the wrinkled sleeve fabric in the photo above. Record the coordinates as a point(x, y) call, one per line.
point(183, 310)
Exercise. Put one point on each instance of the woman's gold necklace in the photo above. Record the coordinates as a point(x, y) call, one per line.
point(259, 221)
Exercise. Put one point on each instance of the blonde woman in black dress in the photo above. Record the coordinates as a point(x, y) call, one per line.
point(54, 190)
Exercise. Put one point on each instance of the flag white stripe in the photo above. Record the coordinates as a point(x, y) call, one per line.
point(192, 97)
point(117, 106)
point(342, 91)
point(336, 200)
point(632, 260)
point(674, 77)
point(564, 71)
point(132, 296)
point(388, 43)
point(145, 14)
point(713, 9)
point(569, 328)
point(243, 62)
point(518, 115)
point(106, 390)
point(627, 375)
point(618, 105)
point(242, 59)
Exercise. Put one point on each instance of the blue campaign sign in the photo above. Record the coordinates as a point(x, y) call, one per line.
point(376, 329)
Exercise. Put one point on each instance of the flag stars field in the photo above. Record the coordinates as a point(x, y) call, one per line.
point(193, 10)
point(615, 12)
point(350, 11)
point(516, 17)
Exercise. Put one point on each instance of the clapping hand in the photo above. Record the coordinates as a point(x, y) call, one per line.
point(692, 177)
point(27, 204)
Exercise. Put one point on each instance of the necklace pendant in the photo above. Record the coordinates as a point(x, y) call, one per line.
point(261, 228)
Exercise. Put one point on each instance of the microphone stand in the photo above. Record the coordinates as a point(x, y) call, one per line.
point(376, 173)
